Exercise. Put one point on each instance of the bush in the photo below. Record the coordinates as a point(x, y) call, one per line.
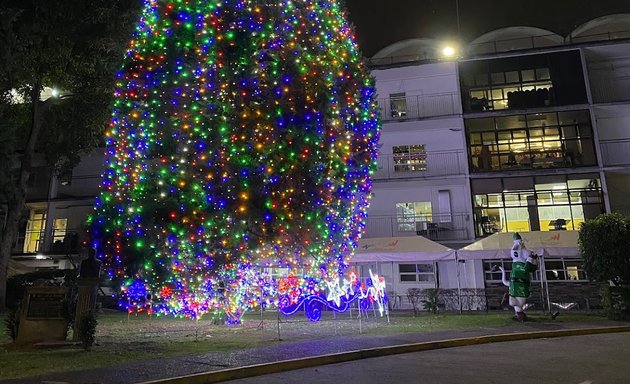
point(431, 298)
point(616, 302)
point(87, 329)
point(603, 244)
point(12, 322)
point(414, 295)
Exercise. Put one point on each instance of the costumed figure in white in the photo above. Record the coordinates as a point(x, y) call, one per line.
point(524, 262)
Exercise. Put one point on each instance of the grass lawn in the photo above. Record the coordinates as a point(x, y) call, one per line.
point(121, 339)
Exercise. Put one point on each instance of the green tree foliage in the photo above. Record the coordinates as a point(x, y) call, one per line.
point(74, 46)
point(604, 244)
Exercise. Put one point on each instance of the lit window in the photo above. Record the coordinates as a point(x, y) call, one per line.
point(410, 158)
point(35, 228)
point(398, 104)
point(410, 215)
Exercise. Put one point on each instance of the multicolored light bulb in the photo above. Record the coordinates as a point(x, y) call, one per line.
point(243, 136)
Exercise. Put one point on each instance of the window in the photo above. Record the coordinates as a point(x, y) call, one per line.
point(491, 271)
point(65, 177)
point(556, 270)
point(537, 140)
point(541, 203)
point(523, 82)
point(409, 215)
point(35, 228)
point(398, 104)
point(410, 158)
point(60, 227)
point(423, 273)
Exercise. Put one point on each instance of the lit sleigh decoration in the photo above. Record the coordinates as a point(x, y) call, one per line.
point(338, 296)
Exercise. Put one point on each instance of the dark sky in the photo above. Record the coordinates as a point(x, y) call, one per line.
point(379, 23)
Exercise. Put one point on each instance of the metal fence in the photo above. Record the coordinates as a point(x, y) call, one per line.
point(439, 227)
point(419, 106)
point(439, 163)
point(62, 242)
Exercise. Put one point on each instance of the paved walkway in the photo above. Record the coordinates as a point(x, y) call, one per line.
point(186, 365)
point(593, 359)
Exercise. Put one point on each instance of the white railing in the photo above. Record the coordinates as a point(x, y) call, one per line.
point(419, 106)
point(439, 226)
point(443, 163)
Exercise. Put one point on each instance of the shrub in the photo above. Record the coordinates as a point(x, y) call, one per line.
point(12, 322)
point(616, 302)
point(603, 244)
point(87, 329)
point(431, 299)
point(415, 296)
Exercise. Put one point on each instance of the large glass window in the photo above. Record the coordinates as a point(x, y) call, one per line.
point(530, 81)
point(411, 215)
point(410, 158)
point(423, 273)
point(539, 140)
point(541, 203)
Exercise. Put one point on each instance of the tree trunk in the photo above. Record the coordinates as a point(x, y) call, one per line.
point(17, 196)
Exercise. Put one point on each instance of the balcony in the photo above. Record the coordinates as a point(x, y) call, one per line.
point(615, 152)
point(428, 164)
point(418, 107)
point(64, 242)
point(437, 227)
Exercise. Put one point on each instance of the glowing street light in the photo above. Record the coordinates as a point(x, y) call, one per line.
point(448, 51)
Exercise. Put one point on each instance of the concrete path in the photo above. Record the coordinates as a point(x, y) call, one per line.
point(220, 361)
point(591, 359)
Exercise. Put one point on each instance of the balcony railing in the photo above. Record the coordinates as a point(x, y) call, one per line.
point(615, 152)
point(64, 242)
point(444, 163)
point(438, 227)
point(610, 90)
point(418, 106)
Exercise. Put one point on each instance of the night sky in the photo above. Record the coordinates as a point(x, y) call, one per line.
point(379, 23)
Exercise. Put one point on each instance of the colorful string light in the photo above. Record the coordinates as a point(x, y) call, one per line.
point(243, 136)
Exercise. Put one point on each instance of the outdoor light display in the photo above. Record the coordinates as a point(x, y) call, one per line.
point(340, 295)
point(243, 136)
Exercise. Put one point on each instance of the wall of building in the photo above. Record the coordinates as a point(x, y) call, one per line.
point(609, 72)
point(439, 134)
point(428, 79)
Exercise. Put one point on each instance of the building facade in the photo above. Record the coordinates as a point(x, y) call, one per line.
point(524, 131)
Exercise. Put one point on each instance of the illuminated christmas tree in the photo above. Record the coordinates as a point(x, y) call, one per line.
point(243, 136)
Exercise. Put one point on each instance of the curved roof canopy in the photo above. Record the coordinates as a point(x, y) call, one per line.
point(602, 28)
point(507, 39)
point(513, 38)
point(406, 51)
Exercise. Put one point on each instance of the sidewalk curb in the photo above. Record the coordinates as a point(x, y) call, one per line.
point(289, 365)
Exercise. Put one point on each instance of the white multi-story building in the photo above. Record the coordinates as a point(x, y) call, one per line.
point(524, 131)
point(521, 130)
